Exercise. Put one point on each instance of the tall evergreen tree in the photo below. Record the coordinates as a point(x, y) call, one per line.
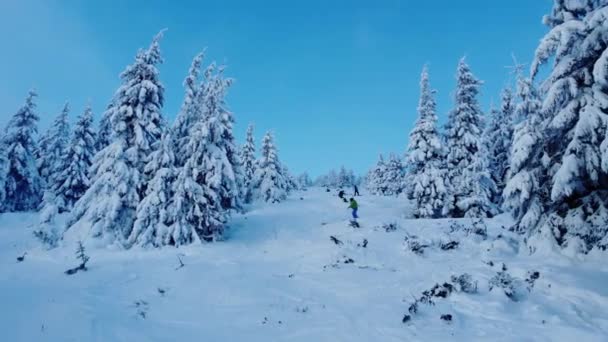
point(463, 135)
point(187, 116)
point(269, 181)
point(574, 139)
point(291, 184)
point(344, 179)
point(119, 183)
point(498, 140)
point(56, 140)
point(154, 217)
point(248, 161)
point(304, 180)
point(104, 132)
point(72, 179)
point(523, 194)
point(374, 183)
point(23, 185)
point(479, 188)
point(392, 179)
point(207, 187)
point(425, 176)
point(4, 168)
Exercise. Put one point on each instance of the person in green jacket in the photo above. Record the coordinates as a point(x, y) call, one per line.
point(354, 206)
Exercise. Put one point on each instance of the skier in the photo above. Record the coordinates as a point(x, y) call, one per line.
point(356, 191)
point(341, 194)
point(354, 206)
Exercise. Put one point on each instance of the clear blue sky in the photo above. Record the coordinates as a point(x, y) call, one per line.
point(337, 81)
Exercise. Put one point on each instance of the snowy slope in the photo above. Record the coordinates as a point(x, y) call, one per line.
point(279, 277)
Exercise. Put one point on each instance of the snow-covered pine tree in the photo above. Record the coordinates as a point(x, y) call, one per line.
point(56, 140)
point(375, 176)
point(425, 176)
point(576, 104)
point(291, 184)
point(249, 164)
point(207, 187)
point(498, 138)
point(392, 179)
point(463, 135)
point(104, 132)
point(72, 178)
point(108, 207)
point(269, 181)
point(343, 179)
point(188, 114)
point(47, 231)
point(4, 168)
point(332, 178)
point(23, 185)
point(153, 219)
point(480, 189)
point(214, 106)
point(304, 180)
point(523, 195)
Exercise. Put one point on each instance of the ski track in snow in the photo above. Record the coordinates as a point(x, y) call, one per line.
point(273, 280)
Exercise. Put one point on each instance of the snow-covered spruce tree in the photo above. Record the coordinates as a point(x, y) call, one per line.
point(498, 138)
point(23, 185)
point(268, 181)
point(187, 116)
point(4, 168)
point(55, 142)
point(108, 207)
point(463, 136)
point(291, 184)
point(374, 182)
point(344, 179)
point(248, 162)
point(524, 195)
point(480, 189)
point(207, 187)
point(232, 175)
point(72, 179)
point(47, 231)
point(321, 180)
point(576, 104)
point(392, 180)
point(304, 180)
point(425, 176)
point(104, 131)
point(332, 179)
point(153, 219)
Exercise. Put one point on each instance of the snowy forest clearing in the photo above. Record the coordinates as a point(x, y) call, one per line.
point(281, 277)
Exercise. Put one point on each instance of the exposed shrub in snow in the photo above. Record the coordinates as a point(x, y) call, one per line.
point(449, 245)
point(465, 283)
point(390, 227)
point(477, 228)
point(512, 287)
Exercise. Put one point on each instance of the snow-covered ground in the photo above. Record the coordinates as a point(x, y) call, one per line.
point(279, 277)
